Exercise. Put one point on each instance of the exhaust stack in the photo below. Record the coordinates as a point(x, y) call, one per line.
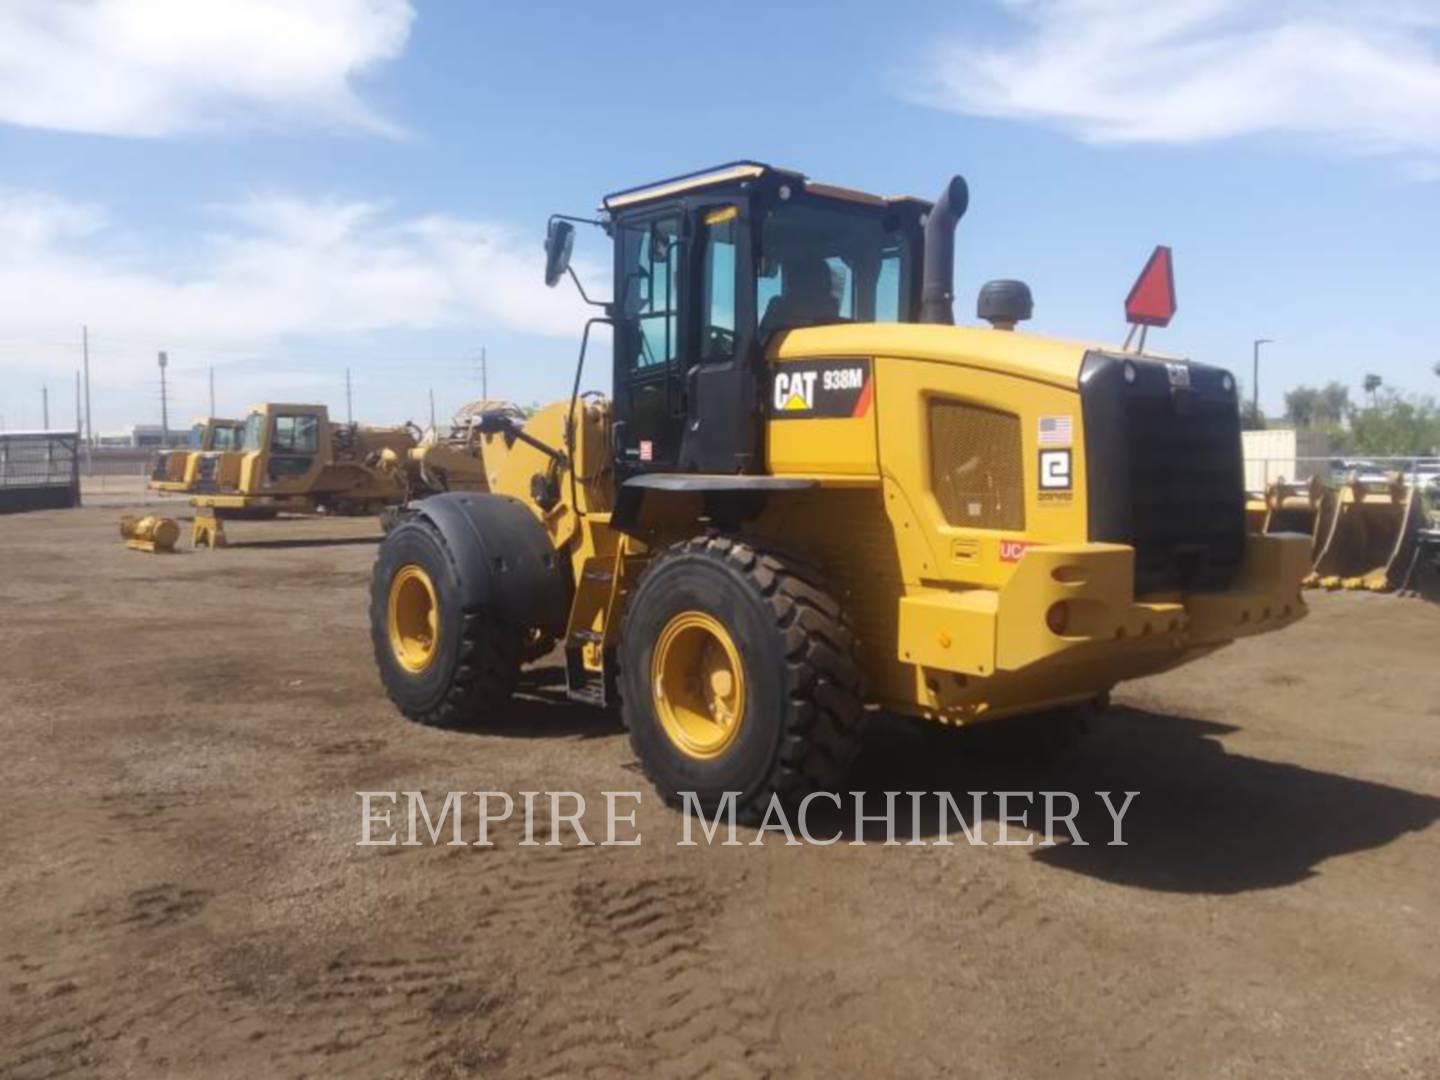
point(937, 293)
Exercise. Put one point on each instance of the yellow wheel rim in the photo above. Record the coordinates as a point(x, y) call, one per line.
point(699, 684)
point(413, 618)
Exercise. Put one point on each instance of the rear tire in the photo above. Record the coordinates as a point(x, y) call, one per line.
point(789, 681)
point(440, 664)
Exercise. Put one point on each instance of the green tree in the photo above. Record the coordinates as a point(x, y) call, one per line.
point(1396, 424)
point(1300, 405)
point(1323, 407)
point(1251, 418)
point(1333, 405)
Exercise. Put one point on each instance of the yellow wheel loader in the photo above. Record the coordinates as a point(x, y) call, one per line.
point(810, 496)
point(178, 471)
point(293, 459)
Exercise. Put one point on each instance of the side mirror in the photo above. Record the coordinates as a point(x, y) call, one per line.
point(559, 243)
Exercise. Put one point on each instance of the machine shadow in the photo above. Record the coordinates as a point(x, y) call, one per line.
point(1204, 821)
point(540, 710)
point(308, 542)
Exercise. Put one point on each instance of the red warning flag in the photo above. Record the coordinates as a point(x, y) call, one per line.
point(1152, 298)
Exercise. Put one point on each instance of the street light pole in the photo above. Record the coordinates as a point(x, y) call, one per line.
point(1255, 376)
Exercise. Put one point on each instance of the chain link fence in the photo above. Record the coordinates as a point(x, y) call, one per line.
point(39, 470)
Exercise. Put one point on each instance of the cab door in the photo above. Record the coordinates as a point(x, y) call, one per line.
point(685, 346)
point(295, 450)
point(649, 394)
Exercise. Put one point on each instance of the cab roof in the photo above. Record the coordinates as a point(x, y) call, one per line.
point(737, 172)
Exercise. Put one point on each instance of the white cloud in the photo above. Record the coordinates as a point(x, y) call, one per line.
point(1359, 76)
point(284, 268)
point(158, 67)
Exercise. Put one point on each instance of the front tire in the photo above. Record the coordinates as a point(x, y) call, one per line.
point(738, 673)
point(440, 664)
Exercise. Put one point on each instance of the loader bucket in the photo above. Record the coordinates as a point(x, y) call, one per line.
point(1255, 512)
point(1372, 537)
point(1295, 507)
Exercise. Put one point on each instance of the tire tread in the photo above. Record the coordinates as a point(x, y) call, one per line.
point(824, 678)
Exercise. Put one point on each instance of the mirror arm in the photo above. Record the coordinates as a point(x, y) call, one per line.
point(583, 294)
point(578, 220)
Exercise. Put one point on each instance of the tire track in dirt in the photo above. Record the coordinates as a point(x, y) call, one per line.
point(72, 1014)
point(615, 967)
point(374, 1012)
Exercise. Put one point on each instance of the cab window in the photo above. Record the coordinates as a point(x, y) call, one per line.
point(717, 284)
point(650, 260)
point(299, 434)
point(827, 264)
point(254, 429)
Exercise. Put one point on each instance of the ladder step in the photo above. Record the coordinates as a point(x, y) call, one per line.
point(594, 637)
point(587, 694)
point(598, 575)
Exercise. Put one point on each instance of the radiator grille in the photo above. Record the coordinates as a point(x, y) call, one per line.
point(1165, 471)
point(977, 469)
point(1187, 495)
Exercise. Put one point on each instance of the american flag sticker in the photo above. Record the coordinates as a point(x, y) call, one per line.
point(1055, 430)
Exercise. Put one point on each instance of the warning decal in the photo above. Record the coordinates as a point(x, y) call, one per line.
point(811, 389)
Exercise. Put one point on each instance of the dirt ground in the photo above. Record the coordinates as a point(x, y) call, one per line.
point(181, 892)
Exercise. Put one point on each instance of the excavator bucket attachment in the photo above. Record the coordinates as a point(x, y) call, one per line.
point(1372, 536)
point(1300, 507)
point(1256, 511)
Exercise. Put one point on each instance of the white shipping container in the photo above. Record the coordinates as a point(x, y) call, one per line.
point(1284, 452)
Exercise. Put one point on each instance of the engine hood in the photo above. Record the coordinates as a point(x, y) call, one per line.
point(1030, 356)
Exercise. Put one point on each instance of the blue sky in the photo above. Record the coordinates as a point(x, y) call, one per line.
point(282, 190)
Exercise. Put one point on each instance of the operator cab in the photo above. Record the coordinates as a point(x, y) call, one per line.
point(710, 269)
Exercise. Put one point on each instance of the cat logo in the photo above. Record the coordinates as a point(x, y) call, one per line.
point(821, 389)
point(795, 391)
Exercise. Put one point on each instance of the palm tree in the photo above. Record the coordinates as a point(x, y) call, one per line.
point(1372, 383)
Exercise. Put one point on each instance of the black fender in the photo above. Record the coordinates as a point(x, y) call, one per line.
point(503, 558)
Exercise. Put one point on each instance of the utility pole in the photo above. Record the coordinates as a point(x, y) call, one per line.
point(89, 429)
point(432, 410)
point(45, 405)
point(164, 402)
point(1255, 381)
point(484, 376)
point(349, 402)
point(212, 390)
point(77, 403)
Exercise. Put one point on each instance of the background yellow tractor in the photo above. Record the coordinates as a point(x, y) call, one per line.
point(176, 471)
point(293, 459)
point(809, 496)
